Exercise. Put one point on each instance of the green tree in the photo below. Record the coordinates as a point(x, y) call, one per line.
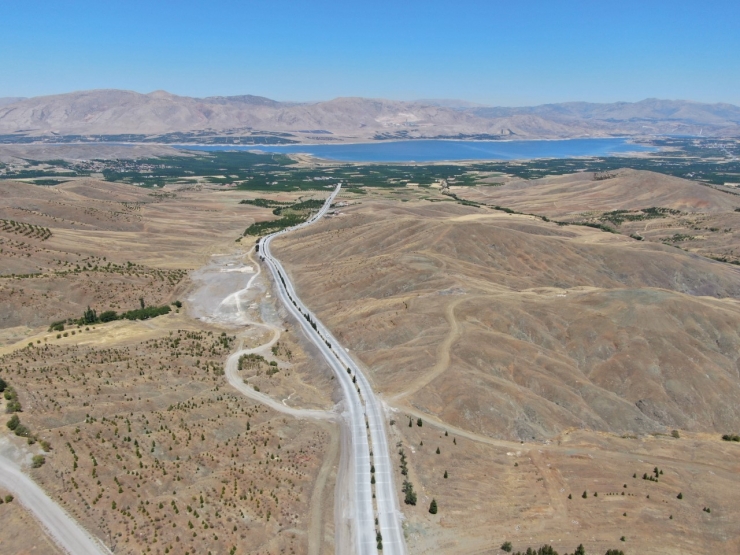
point(14, 422)
point(445, 474)
point(418, 422)
point(408, 489)
point(433, 507)
point(579, 550)
point(3, 385)
point(108, 316)
point(506, 546)
point(585, 495)
point(89, 316)
point(679, 496)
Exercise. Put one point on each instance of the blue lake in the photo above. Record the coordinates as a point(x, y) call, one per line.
point(440, 150)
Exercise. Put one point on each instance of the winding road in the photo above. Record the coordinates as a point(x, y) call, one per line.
point(363, 416)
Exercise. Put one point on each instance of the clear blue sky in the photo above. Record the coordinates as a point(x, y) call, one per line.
point(513, 52)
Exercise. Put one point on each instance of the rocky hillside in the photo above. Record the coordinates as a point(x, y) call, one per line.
point(115, 112)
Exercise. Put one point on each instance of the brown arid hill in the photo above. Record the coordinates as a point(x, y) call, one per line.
point(574, 194)
point(519, 328)
point(114, 112)
point(658, 208)
point(146, 443)
point(536, 375)
point(90, 242)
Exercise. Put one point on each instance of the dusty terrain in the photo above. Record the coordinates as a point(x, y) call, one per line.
point(149, 447)
point(685, 214)
point(107, 245)
point(543, 360)
point(568, 351)
point(27, 537)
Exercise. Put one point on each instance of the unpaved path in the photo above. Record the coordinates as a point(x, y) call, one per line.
point(231, 367)
point(232, 375)
point(318, 497)
point(443, 354)
point(235, 310)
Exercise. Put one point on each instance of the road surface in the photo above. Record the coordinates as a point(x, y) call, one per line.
point(61, 527)
point(364, 417)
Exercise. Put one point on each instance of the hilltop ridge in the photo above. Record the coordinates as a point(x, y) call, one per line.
point(120, 112)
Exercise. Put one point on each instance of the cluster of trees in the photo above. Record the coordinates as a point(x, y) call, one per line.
point(404, 463)
point(294, 214)
point(548, 550)
point(652, 478)
point(250, 361)
point(14, 405)
point(15, 426)
point(90, 316)
point(264, 202)
point(731, 437)
point(27, 230)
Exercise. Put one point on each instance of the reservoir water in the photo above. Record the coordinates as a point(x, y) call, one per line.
point(442, 150)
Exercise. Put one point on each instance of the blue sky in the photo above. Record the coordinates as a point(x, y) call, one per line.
point(515, 52)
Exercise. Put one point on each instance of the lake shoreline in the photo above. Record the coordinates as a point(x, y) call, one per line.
point(443, 150)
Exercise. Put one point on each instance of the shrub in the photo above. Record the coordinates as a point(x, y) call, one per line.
point(675, 434)
point(14, 422)
point(146, 313)
point(408, 489)
point(38, 461)
point(108, 316)
point(9, 498)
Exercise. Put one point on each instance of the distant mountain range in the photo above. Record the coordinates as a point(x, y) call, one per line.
point(118, 112)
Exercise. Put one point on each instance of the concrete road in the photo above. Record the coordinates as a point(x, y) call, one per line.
point(364, 416)
point(61, 527)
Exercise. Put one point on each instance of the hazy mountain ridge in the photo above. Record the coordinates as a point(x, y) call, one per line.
point(112, 112)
